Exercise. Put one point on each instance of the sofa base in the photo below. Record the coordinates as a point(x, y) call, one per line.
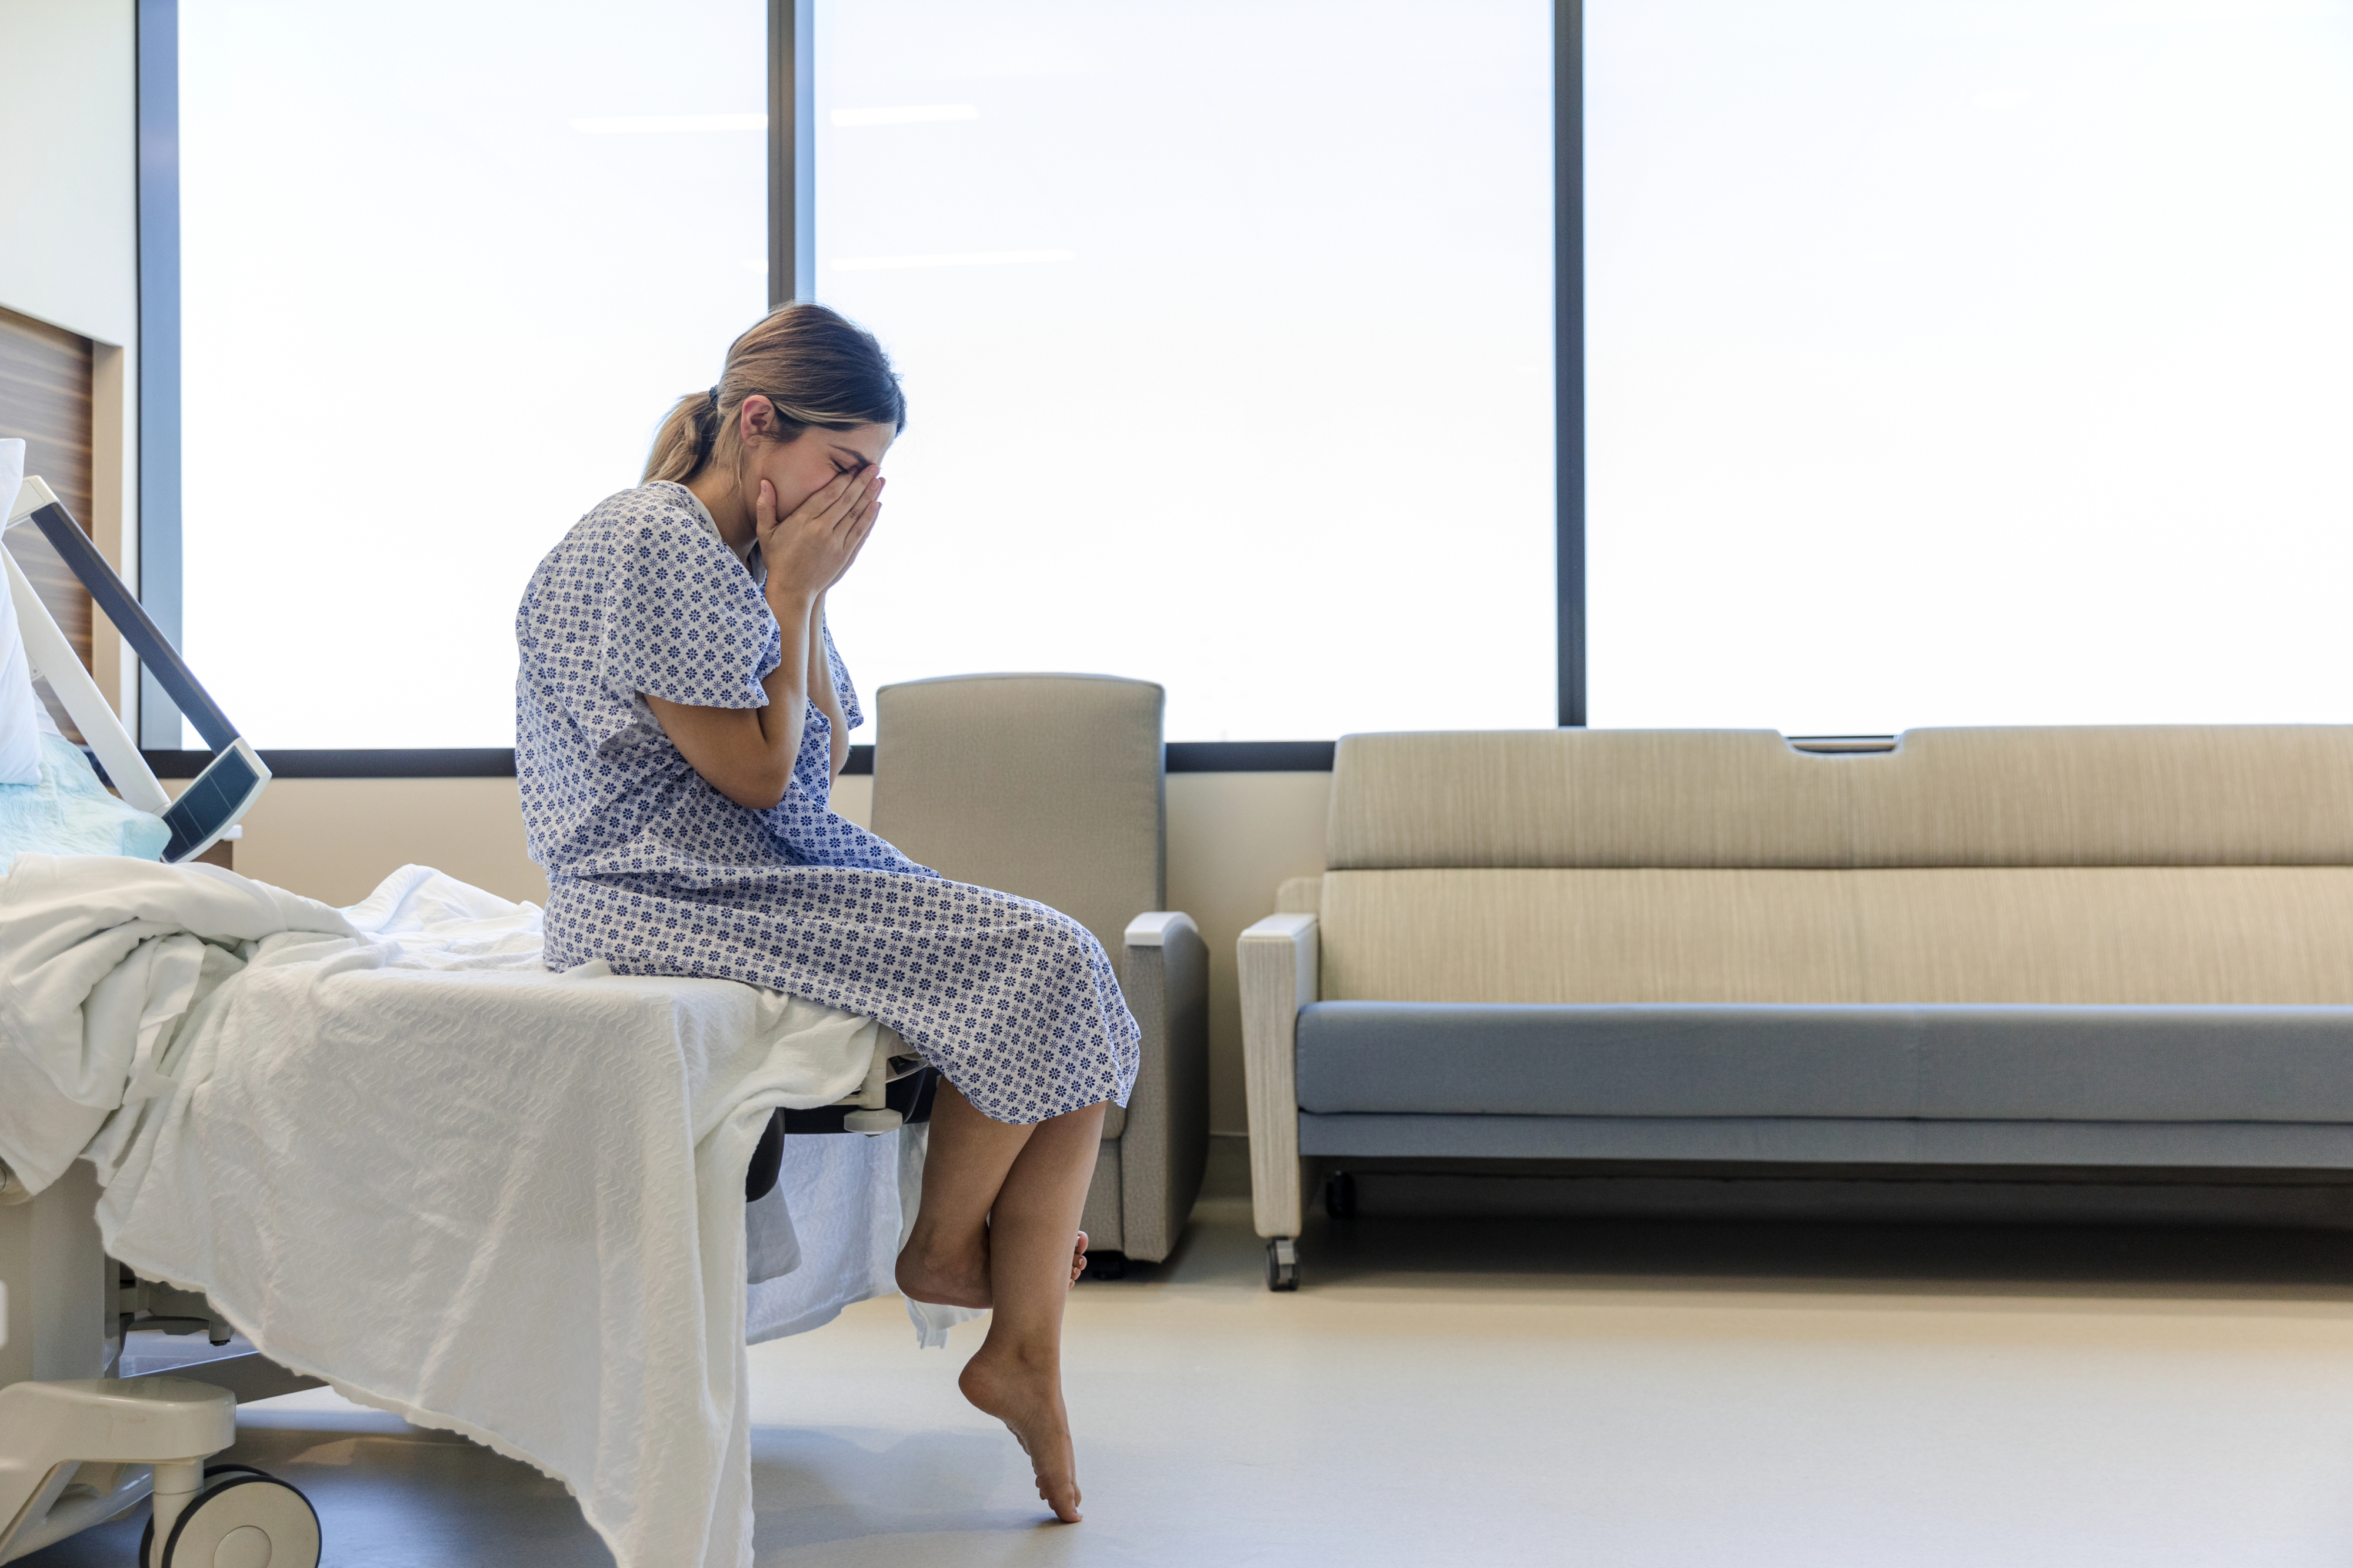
point(1710, 1191)
point(2190, 1145)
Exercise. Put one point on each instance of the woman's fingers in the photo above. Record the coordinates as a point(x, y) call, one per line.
point(846, 506)
point(863, 523)
point(822, 501)
point(854, 540)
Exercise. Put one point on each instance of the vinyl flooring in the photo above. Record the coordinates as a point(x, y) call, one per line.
point(1653, 1395)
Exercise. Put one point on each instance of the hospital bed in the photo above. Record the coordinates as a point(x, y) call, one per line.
point(80, 1443)
point(76, 1452)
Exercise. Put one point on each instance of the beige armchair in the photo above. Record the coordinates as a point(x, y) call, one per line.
point(1050, 786)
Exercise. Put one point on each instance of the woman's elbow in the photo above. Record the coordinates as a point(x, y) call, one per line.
point(762, 791)
point(756, 799)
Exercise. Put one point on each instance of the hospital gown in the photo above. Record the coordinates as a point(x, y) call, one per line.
point(656, 872)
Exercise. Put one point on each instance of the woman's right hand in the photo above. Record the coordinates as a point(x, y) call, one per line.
point(809, 550)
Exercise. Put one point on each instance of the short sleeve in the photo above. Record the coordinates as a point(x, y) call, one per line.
point(684, 620)
point(843, 689)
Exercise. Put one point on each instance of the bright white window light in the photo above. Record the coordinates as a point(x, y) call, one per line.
point(428, 324)
point(1969, 362)
point(906, 114)
point(1270, 419)
point(644, 124)
point(960, 259)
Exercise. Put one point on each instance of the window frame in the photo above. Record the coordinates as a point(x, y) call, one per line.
point(792, 270)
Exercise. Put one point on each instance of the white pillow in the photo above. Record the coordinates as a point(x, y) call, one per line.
point(20, 711)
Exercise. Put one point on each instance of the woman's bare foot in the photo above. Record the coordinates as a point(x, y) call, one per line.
point(946, 1272)
point(1027, 1396)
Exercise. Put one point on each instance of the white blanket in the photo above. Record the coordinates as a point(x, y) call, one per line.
point(398, 1154)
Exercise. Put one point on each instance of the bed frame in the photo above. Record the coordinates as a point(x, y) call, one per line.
point(210, 807)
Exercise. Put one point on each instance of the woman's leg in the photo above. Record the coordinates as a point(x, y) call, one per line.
point(964, 1165)
point(947, 1256)
point(1016, 1373)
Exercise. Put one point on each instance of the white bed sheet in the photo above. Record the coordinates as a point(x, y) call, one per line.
point(409, 1161)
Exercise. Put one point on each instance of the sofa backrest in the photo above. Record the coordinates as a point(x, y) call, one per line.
point(2210, 864)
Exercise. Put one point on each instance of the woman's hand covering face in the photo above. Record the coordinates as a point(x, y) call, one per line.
point(808, 550)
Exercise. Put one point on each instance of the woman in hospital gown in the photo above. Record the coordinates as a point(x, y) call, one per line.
point(681, 716)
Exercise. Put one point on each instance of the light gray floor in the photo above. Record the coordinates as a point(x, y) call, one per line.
point(1618, 1393)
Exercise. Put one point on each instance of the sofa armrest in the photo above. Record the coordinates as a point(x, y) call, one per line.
point(1165, 1147)
point(1300, 895)
point(1278, 960)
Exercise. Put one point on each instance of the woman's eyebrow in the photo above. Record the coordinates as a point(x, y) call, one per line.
point(860, 458)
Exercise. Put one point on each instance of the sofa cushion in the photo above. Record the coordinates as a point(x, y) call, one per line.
point(2078, 936)
point(1955, 1062)
point(2149, 796)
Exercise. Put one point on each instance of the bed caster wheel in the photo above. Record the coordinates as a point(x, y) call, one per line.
point(1106, 1265)
point(212, 1474)
point(1282, 1264)
point(242, 1518)
point(1340, 1195)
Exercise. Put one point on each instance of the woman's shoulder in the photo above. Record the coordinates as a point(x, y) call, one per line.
point(660, 510)
point(661, 524)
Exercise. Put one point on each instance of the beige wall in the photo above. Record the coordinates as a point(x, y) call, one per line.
point(334, 839)
point(69, 226)
point(69, 229)
point(1232, 839)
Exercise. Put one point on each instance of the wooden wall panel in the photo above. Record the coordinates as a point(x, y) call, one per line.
point(45, 397)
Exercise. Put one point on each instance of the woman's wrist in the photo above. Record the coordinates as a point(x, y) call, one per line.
point(793, 602)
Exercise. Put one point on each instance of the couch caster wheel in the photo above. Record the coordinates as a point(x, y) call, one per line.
point(1282, 1264)
point(1106, 1265)
point(242, 1518)
point(1340, 1195)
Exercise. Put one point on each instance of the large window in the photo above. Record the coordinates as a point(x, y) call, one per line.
point(1226, 333)
point(1969, 362)
point(445, 264)
point(1945, 360)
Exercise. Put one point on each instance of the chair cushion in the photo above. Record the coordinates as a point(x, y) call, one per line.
point(2290, 1064)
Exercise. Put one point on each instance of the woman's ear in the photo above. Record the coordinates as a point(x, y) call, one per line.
point(758, 420)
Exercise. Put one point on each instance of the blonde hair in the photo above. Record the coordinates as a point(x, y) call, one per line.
point(813, 364)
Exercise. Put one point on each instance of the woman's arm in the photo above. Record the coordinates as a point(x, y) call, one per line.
point(821, 691)
point(746, 753)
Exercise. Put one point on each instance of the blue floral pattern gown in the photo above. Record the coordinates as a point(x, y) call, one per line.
point(656, 872)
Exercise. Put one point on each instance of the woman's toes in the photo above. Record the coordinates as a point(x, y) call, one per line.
point(1028, 1401)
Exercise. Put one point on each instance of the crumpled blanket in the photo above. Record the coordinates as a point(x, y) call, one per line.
point(99, 956)
point(398, 1154)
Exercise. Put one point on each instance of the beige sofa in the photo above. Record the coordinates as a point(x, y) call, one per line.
point(2118, 948)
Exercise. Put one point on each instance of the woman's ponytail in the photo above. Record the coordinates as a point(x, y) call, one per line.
point(810, 362)
point(683, 443)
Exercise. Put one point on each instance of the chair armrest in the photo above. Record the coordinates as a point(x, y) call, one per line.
point(1165, 1147)
point(1152, 928)
point(1278, 961)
